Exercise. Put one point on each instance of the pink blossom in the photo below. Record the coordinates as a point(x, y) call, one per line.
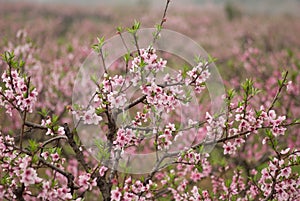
point(285, 151)
point(116, 194)
point(90, 117)
point(55, 157)
point(45, 155)
point(285, 172)
point(229, 148)
point(85, 181)
point(64, 193)
point(61, 131)
point(116, 100)
point(289, 86)
point(29, 176)
point(102, 170)
point(124, 137)
point(238, 142)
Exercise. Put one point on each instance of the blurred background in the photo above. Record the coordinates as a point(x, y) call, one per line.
point(270, 6)
point(248, 37)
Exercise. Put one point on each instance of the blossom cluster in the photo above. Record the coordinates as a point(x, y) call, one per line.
point(16, 93)
point(88, 116)
point(162, 99)
point(20, 169)
point(149, 60)
point(198, 76)
point(132, 191)
point(278, 176)
point(165, 139)
point(215, 126)
point(124, 138)
point(250, 121)
point(51, 129)
point(231, 190)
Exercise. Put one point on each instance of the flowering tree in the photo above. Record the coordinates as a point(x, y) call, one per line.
point(255, 156)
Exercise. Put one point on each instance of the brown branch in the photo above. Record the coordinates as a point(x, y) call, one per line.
point(78, 153)
point(34, 125)
point(19, 193)
point(23, 127)
point(161, 192)
point(53, 139)
point(105, 188)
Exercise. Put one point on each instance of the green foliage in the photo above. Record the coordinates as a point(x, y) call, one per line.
point(4, 179)
point(98, 46)
point(119, 29)
point(32, 145)
point(199, 167)
point(76, 139)
point(55, 119)
point(103, 150)
point(135, 27)
point(230, 94)
point(249, 89)
point(127, 57)
point(35, 159)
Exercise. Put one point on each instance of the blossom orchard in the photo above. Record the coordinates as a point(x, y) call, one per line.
point(59, 167)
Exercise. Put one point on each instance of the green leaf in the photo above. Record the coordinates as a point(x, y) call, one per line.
point(33, 145)
point(55, 119)
point(136, 25)
point(211, 59)
point(8, 56)
point(100, 41)
point(76, 139)
point(94, 79)
point(227, 182)
point(126, 57)
point(54, 183)
point(35, 159)
point(258, 113)
point(199, 167)
point(230, 93)
point(269, 133)
point(98, 111)
point(103, 152)
point(98, 46)
point(59, 150)
point(296, 121)
point(158, 27)
point(200, 149)
point(134, 28)
point(5, 179)
point(21, 63)
point(119, 29)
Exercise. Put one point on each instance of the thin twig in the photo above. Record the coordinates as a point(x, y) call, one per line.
point(163, 20)
point(24, 116)
point(53, 139)
point(278, 91)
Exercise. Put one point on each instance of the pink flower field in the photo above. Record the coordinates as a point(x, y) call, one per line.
point(95, 105)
